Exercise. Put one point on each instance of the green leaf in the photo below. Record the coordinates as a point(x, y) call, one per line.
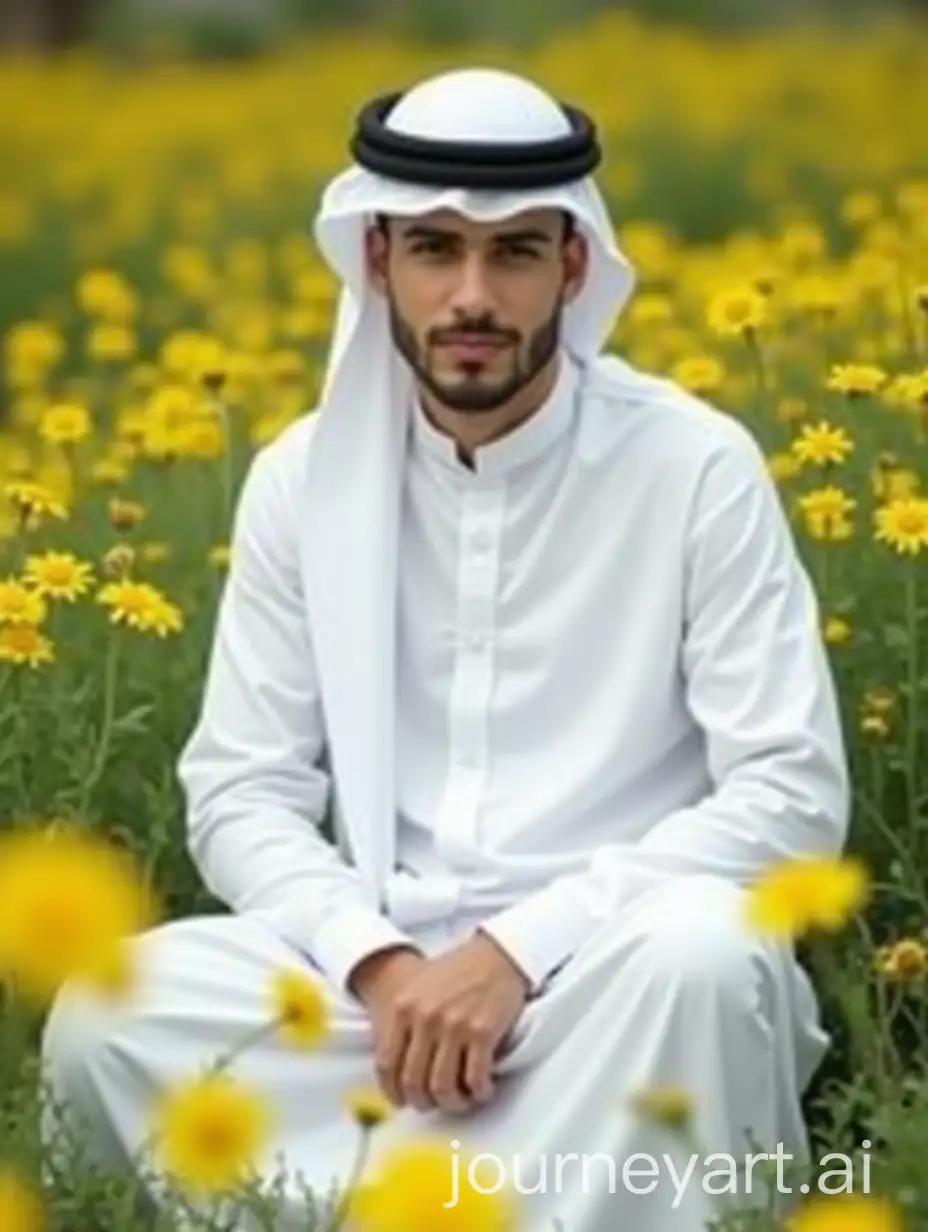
point(134, 721)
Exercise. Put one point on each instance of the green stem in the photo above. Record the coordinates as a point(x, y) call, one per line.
point(227, 469)
point(342, 1208)
point(106, 726)
point(912, 734)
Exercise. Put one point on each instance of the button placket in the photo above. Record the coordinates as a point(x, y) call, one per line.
point(468, 703)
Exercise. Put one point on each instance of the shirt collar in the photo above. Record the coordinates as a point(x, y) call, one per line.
point(521, 445)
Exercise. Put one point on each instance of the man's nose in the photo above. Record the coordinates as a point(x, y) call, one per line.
point(472, 291)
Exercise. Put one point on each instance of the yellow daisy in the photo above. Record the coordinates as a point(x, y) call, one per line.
point(300, 1009)
point(209, 1133)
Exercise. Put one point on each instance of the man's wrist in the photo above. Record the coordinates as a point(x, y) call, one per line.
point(503, 953)
point(367, 970)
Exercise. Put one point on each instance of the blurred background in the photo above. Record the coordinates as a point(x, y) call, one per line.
point(181, 145)
point(221, 27)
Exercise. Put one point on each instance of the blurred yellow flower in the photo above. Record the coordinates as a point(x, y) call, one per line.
point(836, 631)
point(209, 1133)
point(410, 1191)
point(822, 444)
point(826, 513)
point(35, 501)
point(856, 380)
point(299, 1008)
point(903, 525)
point(846, 1213)
point(903, 961)
point(24, 646)
point(801, 895)
point(736, 312)
point(69, 899)
point(700, 374)
point(21, 1208)
point(220, 556)
point(368, 1106)
point(108, 344)
point(124, 514)
point(58, 575)
point(21, 604)
point(874, 726)
point(106, 293)
point(140, 606)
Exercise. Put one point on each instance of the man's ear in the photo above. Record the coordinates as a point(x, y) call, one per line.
point(576, 265)
point(376, 252)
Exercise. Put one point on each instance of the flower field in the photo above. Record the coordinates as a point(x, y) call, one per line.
point(164, 314)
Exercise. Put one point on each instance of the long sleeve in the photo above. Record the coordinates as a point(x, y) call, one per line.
point(759, 685)
point(255, 792)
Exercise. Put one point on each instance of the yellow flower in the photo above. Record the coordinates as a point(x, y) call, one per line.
point(118, 561)
point(801, 895)
point(369, 1107)
point(209, 1133)
point(822, 443)
point(33, 344)
point(21, 604)
point(21, 1208)
point(903, 524)
point(58, 575)
point(701, 374)
point(219, 556)
point(66, 423)
point(836, 631)
point(412, 1188)
point(667, 1107)
point(856, 380)
point(124, 514)
point(24, 646)
point(825, 511)
point(111, 343)
point(300, 1009)
point(141, 606)
point(846, 1213)
point(874, 726)
point(791, 409)
point(737, 312)
point(783, 465)
point(155, 553)
point(880, 698)
point(105, 293)
point(904, 961)
point(35, 501)
point(69, 899)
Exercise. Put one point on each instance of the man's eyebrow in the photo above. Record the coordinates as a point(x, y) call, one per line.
point(419, 231)
point(528, 235)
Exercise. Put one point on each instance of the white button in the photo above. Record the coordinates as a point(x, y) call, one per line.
point(482, 540)
point(476, 641)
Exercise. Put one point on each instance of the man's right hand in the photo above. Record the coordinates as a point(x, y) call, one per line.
point(376, 982)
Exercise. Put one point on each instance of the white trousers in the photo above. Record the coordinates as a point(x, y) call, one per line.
point(672, 991)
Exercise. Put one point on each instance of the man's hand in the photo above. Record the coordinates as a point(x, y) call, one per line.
point(437, 1022)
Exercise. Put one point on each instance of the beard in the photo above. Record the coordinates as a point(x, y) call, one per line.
point(475, 391)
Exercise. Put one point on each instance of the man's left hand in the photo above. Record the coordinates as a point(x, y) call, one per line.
point(447, 1023)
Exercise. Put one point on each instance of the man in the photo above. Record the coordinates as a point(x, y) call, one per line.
point(533, 624)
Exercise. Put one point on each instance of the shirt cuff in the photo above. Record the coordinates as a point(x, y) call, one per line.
point(351, 936)
point(540, 932)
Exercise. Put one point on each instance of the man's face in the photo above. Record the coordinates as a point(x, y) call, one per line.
point(475, 308)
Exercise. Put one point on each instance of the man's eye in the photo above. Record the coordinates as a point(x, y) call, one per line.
point(432, 247)
point(520, 251)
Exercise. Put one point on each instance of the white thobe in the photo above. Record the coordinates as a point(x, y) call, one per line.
point(613, 709)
